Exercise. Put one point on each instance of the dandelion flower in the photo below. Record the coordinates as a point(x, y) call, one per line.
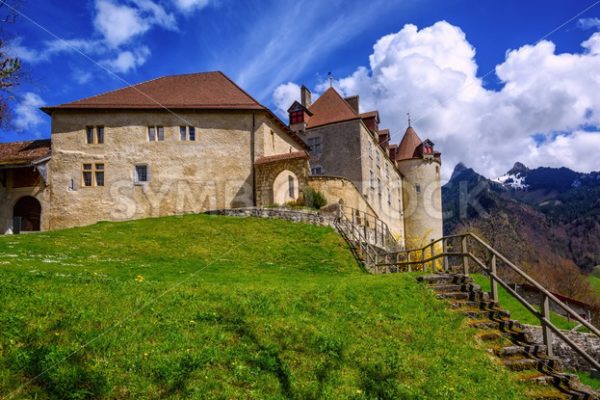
point(139, 278)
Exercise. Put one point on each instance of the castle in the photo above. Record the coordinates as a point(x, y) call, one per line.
point(196, 142)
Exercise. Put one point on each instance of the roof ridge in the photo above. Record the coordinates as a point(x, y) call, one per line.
point(26, 141)
point(240, 88)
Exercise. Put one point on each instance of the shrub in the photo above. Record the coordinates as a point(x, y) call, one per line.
point(313, 198)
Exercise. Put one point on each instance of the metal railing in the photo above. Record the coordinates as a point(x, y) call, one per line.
point(469, 248)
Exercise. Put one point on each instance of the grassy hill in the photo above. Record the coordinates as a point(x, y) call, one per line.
point(217, 307)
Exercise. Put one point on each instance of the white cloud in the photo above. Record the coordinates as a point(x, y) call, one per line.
point(118, 23)
point(284, 95)
point(589, 23)
point(128, 60)
point(432, 73)
point(190, 5)
point(27, 114)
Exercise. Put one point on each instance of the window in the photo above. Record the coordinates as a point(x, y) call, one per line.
point(387, 172)
point(296, 117)
point(89, 135)
point(377, 160)
point(273, 140)
point(389, 196)
point(87, 175)
point(314, 145)
point(316, 170)
point(141, 174)
point(418, 188)
point(156, 133)
point(100, 134)
point(291, 186)
point(99, 174)
point(379, 186)
point(93, 175)
point(94, 135)
point(372, 179)
point(370, 150)
point(187, 133)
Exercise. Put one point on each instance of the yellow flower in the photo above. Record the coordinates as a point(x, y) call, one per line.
point(358, 391)
point(139, 278)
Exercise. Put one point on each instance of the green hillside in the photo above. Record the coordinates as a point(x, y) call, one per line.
point(216, 307)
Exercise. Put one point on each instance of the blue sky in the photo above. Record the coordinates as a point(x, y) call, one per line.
point(265, 44)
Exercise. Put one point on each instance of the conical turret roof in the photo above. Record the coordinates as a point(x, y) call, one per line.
point(409, 144)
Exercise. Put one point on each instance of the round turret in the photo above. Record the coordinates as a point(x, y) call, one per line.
point(420, 166)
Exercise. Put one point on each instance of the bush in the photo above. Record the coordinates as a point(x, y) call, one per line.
point(314, 198)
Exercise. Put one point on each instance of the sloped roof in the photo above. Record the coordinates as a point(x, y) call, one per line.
point(23, 153)
point(370, 114)
point(206, 90)
point(408, 145)
point(330, 108)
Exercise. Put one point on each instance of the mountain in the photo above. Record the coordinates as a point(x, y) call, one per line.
point(541, 216)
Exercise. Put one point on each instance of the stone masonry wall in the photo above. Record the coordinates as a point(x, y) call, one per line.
point(587, 341)
point(214, 171)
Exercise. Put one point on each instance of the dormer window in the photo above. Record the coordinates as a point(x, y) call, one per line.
point(428, 147)
point(296, 117)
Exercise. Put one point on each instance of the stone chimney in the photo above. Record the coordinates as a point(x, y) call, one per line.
point(305, 96)
point(353, 102)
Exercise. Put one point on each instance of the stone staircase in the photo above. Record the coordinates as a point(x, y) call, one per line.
point(506, 338)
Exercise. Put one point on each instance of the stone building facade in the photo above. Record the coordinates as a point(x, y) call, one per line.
point(173, 145)
point(399, 183)
point(197, 142)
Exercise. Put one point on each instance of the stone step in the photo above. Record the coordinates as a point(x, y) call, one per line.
point(489, 314)
point(453, 295)
point(507, 325)
point(522, 364)
point(444, 278)
point(483, 305)
point(455, 287)
point(479, 296)
point(533, 350)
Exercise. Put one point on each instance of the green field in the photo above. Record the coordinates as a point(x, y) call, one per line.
point(216, 307)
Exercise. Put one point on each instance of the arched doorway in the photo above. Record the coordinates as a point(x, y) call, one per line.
point(29, 211)
point(285, 187)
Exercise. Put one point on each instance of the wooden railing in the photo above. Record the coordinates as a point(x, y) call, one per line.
point(469, 248)
point(368, 233)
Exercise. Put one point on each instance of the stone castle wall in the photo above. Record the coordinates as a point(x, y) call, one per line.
point(215, 171)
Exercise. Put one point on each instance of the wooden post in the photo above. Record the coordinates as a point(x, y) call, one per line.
point(493, 283)
point(546, 332)
point(465, 250)
point(408, 259)
point(432, 256)
point(445, 251)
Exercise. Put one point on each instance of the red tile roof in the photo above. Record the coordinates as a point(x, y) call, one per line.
point(370, 114)
point(408, 145)
point(23, 153)
point(208, 90)
point(281, 157)
point(330, 108)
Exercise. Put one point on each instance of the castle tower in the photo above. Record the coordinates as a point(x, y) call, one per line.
point(422, 194)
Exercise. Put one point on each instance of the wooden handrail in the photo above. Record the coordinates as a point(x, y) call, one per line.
point(543, 315)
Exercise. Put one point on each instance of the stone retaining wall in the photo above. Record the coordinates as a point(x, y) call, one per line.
point(310, 217)
point(588, 342)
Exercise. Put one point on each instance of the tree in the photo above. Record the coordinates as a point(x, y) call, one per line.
point(10, 67)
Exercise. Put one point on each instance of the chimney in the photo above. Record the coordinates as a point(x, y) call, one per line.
point(305, 96)
point(353, 101)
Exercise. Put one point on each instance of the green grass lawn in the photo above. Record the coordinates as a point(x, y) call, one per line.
point(517, 310)
point(214, 307)
point(594, 281)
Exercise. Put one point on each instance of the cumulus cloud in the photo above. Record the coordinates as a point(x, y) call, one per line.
point(432, 73)
point(27, 114)
point(284, 95)
point(128, 60)
point(118, 23)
